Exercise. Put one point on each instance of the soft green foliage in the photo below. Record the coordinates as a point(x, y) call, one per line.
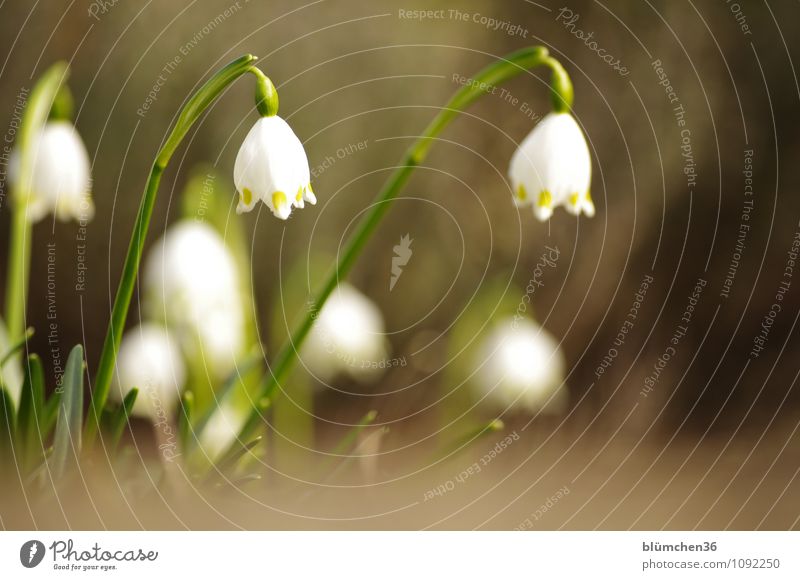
point(120, 417)
point(67, 442)
point(30, 417)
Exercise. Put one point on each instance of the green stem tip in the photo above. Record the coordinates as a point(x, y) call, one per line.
point(266, 94)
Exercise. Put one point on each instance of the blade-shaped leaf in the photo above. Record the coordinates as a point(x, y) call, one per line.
point(31, 413)
point(50, 413)
point(227, 464)
point(464, 441)
point(230, 462)
point(346, 442)
point(67, 443)
point(7, 422)
point(120, 417)
point(185, 417)
point(234, 378)
point(12, 350)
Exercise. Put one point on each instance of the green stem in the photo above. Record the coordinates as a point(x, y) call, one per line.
point(493, 75)
point(195, 107)
point(33, 119)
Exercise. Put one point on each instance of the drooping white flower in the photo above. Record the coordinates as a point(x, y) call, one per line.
point(192, 284)
point(347, 337)
point(552, 167)
point(272, 167)
point(60, 178)
point(150, 360)
point(521, 366)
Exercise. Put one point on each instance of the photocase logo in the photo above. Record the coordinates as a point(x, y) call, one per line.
point(402, 254)
point(31, 553)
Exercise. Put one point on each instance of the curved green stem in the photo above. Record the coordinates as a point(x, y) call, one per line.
point(33, 119)
point(195, 107)
point(493, 75)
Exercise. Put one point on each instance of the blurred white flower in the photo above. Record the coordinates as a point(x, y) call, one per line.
point(151, 361)
point(60, 174)
point(347, 337)
point(552, 167)
point(272, 167)
point(221, 430)
point(522, 366)
point(192, 284)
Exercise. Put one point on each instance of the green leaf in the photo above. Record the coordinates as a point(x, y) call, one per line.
point(230, 459)
point(67, 443)
point(234, 378)
point(14, 348)
point(464, 441)
point(7, 421)
point(50, 413)
point(120, 417)
point(345, 444)
point(230, 462)
point(185, 418)
point(30, 416)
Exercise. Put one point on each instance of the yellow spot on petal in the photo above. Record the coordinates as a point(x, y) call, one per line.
point(247, 196)
point(299, 196)
point(573, 199)
point(309, 188)
point(521, 193)
point(589, 196)
point(278, 199)
point(545, 198)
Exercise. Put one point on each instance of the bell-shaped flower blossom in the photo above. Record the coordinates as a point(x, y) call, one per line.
point(272, 167)
point(348, 337)
point(60, 178)
point(552, 168)
point(150, 360)
point(192, 284)
point(521, 366)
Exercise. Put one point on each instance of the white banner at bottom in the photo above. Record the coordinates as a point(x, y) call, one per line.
point(462, 555)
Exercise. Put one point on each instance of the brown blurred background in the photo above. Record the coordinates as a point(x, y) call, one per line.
point(718, 431)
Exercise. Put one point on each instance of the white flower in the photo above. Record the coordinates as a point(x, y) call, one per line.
point(192, 284)
point(347, 337)
point(149, 360)
point(552, 167)
point(272, 167)
point(522, 366)
point(60, 181)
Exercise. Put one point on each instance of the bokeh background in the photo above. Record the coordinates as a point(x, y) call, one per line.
point(714, 445)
